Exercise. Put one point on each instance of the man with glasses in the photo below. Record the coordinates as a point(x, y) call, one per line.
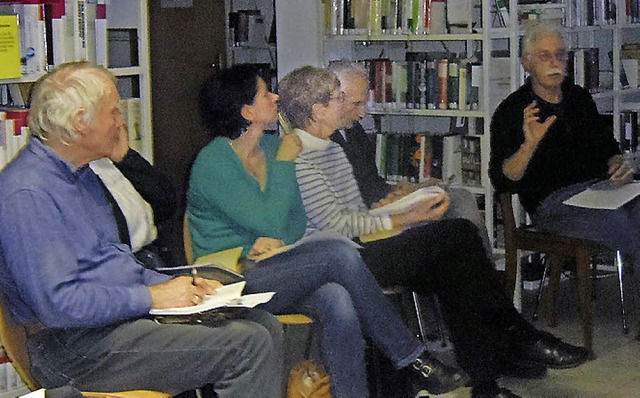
point(548, 142)
point(361, 153)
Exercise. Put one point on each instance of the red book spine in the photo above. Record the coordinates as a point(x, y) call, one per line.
point(443, 74)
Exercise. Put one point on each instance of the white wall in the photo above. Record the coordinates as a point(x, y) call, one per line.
point(299, 30)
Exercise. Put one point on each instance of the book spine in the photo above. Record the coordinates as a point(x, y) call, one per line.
point(438, 17)
point(412, 83)
point(443, 73)
point(475, 78)
point(633, 116)
point(432, 84)
point(3, 140)
point(10, 33)
point(462, 87)
point(422, 87)
point(592, 69)
point(102, 54)
point(375, 15)
point(388, 82)
point(453, 86)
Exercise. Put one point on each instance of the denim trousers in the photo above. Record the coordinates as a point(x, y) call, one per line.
point(328, 281)
point(618, 229)
point(239, 358)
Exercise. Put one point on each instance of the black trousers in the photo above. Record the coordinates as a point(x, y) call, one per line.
point(447, 258)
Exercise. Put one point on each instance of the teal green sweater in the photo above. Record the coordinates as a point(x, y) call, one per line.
point(226, 207)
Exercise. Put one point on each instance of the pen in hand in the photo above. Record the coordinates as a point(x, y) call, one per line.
point(194, 275)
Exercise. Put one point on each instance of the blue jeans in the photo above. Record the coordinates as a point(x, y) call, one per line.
point(328, 281)
point(618, 229)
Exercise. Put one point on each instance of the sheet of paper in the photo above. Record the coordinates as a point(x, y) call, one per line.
point(316, 236)
point(226, 258)
point(226, 296)
point(407, 202)
point(605, 199)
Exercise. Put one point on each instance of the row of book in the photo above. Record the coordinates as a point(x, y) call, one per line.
point(51, 32)
point(14, 132)
point(583, 67)
point(471, 160)
point(404, 157)
point(375, 17)
point(591, 12)
point(570, 13)
point(424, 81)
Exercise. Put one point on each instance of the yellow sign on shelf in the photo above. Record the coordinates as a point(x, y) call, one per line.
point(9, 47)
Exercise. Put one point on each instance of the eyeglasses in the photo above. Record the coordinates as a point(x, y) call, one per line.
point(546, 56)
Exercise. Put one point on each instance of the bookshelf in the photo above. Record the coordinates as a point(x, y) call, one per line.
point(491, 40)
point(113, 33)
point(455, 140)
point(250, 34)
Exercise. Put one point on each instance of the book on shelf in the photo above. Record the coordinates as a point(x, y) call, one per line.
point(130, 108)
point(101, 36)
point(33, 55)
point(502, 12)
point(629, 130)
point(624, 81)
point(409, 157)
point(583, 67)
point(10, 54)
point(453, 86)
point(443, 78)
point(375, 17)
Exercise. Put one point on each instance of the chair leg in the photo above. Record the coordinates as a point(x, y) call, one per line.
point(623, 307)
point(550, 303)
point(583, 260)
point(545, 274)
point(309, 343)
point(435, 306)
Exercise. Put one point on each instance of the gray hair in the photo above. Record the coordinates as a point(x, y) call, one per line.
point(301, 89)
point(537, 30)
point(60, 94)
point(347, 70)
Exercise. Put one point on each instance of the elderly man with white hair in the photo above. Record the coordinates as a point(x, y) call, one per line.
point(80, 293)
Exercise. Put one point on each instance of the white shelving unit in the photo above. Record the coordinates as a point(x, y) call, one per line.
point(304, 41)
point(134, 80)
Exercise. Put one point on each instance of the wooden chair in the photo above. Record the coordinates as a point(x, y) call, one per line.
point(14, 342)
point(285, 319)
point(556, 247)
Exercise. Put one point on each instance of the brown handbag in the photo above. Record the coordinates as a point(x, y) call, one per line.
point(308, 379)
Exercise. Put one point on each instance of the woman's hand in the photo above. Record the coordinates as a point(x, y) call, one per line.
point(431, 209)
point(290, 147)
point(263, 245)
point(183, 291)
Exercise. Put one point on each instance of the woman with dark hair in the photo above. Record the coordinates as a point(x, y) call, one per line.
point(243, 192)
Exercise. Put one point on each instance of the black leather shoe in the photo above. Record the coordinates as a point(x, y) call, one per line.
point(432, 375)
point(549, 351)
point(501, 393)
point(509, 368)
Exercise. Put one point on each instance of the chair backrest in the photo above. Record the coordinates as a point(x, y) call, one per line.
point(14, 341)
point(186, 240)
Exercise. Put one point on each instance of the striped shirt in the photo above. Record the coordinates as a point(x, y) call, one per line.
point(329, 190)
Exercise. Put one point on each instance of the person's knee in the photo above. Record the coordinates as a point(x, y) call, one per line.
point(334, 304)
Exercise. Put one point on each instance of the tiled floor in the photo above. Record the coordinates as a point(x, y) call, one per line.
point(615, 373)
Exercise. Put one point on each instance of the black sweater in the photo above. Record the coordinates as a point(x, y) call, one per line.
point(575, 149)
